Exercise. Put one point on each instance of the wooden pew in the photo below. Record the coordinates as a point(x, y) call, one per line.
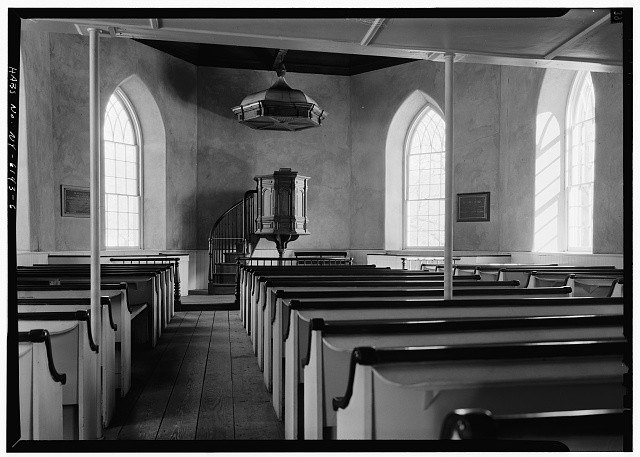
point(261, 303)
point(308, 355)
point(76, 353)
point(489, 271)
point(122, 313)
point(245, 263)
point(523, 274)
point(249, 274)
point(265, 284)
point(618, 288)
point(255, 277)
point(280, 318)
point(264, 304)
point(598, 284)
point(159, 259)
point(415, 388)
point(40, 387)
point(599, 430)
point(109, 373)
point(144, 287)
point(163, 282)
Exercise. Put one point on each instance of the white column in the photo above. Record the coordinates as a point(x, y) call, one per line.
point(448, 166)
point(94, 164)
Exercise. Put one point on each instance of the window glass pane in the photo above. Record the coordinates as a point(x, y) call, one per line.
point(122, 221)
point(129, 138)
point(121, 186)
point(112, 202)
point(425, 181)
point(131, 171)
point(112, 237)
point(109, 167)
point(414, 192)
point(109, 150)
point(112, 220)
point(122, 204)
point(118, 134)
point(133, 205)
point(121, 169)
point(131, 187)
point(133, 238)
point(132, 154)
point(580, 163)
point(123, 238)
point(110, 185)
point(120, 152)
point(133, 221)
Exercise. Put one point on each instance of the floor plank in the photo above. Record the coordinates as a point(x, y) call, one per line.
point(181, 416)
point(144, 360)
point(216, 418)
point(202, 382)
point(144, 421)
point(254, 417)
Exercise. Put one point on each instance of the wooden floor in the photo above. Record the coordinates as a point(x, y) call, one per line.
point(201, 382)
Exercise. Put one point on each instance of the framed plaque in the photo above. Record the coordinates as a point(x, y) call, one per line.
point(473, 207)
point(76, 201)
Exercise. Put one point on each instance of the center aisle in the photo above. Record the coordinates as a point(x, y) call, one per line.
point(201, 382)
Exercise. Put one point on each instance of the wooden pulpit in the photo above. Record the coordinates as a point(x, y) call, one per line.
point(282, 207)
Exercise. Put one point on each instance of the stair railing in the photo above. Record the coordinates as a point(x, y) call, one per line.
point(233, 232)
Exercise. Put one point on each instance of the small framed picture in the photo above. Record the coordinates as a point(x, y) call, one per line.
point(473, 207)
point(76, 201)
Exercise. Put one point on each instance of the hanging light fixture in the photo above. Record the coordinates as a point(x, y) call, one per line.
point(279, 108)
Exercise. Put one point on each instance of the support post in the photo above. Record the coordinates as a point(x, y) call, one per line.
point(94, 164)
point(448, 201)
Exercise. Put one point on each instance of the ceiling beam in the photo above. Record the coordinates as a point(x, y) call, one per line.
point(378, 23)
point(320, 45)
point(576, 38)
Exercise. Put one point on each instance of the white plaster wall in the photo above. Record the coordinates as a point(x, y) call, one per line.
point(56, 85)
point(608, 208)
point(231, 154)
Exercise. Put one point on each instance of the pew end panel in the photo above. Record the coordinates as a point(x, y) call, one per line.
point(40, 388)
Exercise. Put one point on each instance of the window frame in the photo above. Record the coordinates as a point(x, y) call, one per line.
point(572, 102)
point(137, 130)
point(405, 176)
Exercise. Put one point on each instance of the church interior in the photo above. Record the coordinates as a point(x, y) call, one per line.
point(430, 144)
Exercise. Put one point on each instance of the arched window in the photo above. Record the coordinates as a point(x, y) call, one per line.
point(579, 164)
point(121, 174)
point(424, 181)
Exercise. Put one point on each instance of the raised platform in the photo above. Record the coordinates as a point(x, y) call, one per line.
point(198, 300)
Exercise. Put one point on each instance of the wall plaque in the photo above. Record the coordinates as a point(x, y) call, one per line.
point(76, 201)
point(473, 207)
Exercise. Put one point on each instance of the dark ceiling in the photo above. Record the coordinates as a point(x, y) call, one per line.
point(252, 58)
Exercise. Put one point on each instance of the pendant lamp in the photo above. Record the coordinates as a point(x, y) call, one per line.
point(279, 108)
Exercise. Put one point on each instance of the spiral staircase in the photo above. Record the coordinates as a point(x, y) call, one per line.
point(232, 236)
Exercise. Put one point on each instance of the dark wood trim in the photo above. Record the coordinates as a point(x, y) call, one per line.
point(42, 336)
point(399, 326)
point(84, 315)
